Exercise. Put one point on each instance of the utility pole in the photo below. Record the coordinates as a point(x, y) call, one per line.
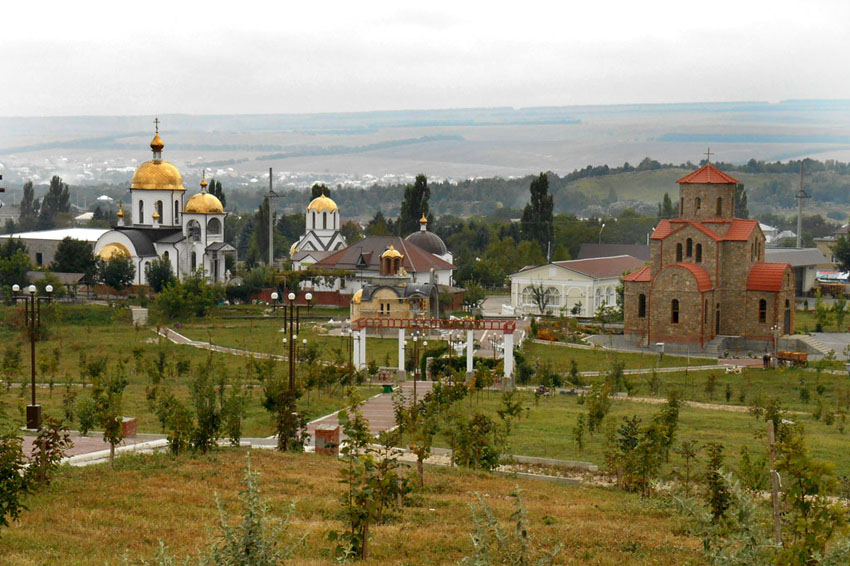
point(774, 484)
point(269, 197)
point(801, 194)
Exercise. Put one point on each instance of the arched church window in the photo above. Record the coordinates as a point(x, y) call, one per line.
point(158, 207)
point(176, 211)
point(598, 296)
point(719, 208)
point(689, 247)
point(194, 261)
point(641, 305)
point(165, 257)
point(324, 221)
point(678, 252)
point(193, 229)
point(214, 226)
point(674, 311)
point(762, 310)
point(699, 253)
point(553, 297)
point(609, 295)
point(698, 203)
point(141, 212)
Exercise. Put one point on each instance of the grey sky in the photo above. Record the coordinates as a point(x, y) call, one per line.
point(68, 58)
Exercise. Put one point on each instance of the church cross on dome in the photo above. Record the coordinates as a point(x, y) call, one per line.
point(156, 123)
point(708, 155)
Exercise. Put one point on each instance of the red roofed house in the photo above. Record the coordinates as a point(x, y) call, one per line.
point(707, 276)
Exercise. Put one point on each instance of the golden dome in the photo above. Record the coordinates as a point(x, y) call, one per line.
point(156, 143)
point(322, 204)
point(112, 250)
point(391, 252)
point(293, 249)
point(204, 183)
point(158, 175)
point(155, 215)
point(121, 211)
point(357, 297)
point(423, 220)
point(203, 203)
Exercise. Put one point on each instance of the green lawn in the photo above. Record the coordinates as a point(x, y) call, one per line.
point(548, 430)
point(601, 359)
point(87, 332)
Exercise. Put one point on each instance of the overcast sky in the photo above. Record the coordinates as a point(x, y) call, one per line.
point(105, 58)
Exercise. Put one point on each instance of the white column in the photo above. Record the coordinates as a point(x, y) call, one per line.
point(362, 348)
point(401, 349)
point(469, 340)
point(355, 349)
point(508, 343)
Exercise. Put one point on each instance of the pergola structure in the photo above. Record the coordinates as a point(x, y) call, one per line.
point(506, 327)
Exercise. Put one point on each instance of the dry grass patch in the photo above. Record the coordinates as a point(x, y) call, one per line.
point(94, 516)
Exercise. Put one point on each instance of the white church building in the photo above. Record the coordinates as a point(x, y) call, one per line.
point(189, 233)
point(321, 234)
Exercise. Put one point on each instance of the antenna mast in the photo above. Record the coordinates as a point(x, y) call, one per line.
point(801, 194)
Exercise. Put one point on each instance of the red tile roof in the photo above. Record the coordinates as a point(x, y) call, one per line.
point(741, 230)
point(642, 275)
point(701, 275)
point(708, 174)
point(663, 230)
point(602, 267)
point(415, 258)
point(767, 276)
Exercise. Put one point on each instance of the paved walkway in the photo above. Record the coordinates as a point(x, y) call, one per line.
point(378, 410)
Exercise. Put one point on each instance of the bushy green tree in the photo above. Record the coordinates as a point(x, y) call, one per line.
point(57, 201)
point(117, 272)
point(158, 274)
point(193, 296)
point(75, 256)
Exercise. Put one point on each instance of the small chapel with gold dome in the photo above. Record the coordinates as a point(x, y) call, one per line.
point(162, 223)
point(322, 236)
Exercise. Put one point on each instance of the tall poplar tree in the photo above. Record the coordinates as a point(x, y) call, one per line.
point(537, 218)
point(414, 205)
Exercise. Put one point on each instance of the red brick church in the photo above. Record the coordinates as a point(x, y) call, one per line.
point(707, 276)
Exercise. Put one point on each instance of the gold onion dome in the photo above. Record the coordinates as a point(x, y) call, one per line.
point(203, 203)
point(155, 215)
point(156, 143)
point(113, 250)
point(423, 220)
point(391, 252)
point(156, 174)
point(357, 297)
point(121, 211)
point(293, 249)
point(322, 204)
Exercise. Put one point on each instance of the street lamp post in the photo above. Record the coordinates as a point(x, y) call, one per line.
point(291, 314)
point(33, 314)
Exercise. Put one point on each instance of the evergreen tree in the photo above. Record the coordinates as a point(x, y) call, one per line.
point(537, 220)
point(56, 201)
point(665, 208)
point(29, 208)
point(319, 189)
point(216, 191)
point(414, 205)
point(378, 226)
point(741, 210)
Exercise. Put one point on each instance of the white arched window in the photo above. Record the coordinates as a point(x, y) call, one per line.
point(176, 211)
point(609, 295)
point(553, 297)
point(141, 212)
point(598, 296)
point(214, 226)
point(193, 230)
point(528, 296)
